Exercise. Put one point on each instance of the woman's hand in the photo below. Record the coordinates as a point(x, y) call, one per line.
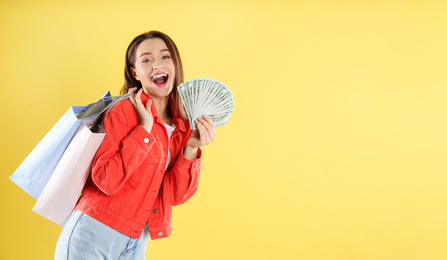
point(203, 135)
point(144, 112)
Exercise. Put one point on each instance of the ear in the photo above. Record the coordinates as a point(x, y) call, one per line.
point(134, 74)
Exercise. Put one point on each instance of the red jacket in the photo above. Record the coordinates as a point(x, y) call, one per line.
point(129, 185)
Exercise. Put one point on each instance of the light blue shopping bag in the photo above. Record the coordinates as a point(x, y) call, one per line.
point(63, 189)
point(35, 171)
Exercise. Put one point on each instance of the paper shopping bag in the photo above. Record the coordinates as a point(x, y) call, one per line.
point(35, 171)
point(65, 185)
point(62, 191)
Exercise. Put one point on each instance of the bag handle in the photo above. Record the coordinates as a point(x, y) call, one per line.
point(115, 101)
point(96, 124)
point(100, 105)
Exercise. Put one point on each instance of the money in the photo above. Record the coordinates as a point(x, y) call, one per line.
point(204, 96)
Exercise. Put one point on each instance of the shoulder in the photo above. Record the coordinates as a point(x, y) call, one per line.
point(122, 106)
point(123, 110)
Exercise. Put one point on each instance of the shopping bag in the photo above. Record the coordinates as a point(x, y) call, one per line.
point(34, 172)
point(65, 185)
point(63, 189)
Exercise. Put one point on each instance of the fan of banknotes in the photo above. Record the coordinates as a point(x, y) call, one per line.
point(204, 96)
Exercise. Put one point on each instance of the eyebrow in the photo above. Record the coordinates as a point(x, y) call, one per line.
point(149, 53)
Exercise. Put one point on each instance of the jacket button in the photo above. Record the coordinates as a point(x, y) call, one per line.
point(146, 140)
point(160, 234)
point(156, 211)
point(197, 165)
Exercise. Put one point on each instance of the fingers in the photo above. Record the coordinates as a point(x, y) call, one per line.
point(137, 99)
point(132, 90)
point(204, 136)
point(138, 96)
point(207, 130)
point(132, 99)
point(138, 105)
point(209, 126)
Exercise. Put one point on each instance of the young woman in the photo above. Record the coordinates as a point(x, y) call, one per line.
point(148, 162)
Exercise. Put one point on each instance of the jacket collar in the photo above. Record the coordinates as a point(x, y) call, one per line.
point(178, 121)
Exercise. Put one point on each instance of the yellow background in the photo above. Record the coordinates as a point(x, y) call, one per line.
point(337, 146)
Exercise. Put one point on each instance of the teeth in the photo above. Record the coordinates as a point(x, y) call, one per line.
point(159, 76)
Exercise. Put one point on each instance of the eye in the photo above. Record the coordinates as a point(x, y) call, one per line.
point(146, 60)
point(165, 57)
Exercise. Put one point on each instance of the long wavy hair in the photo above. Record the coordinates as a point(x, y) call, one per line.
point(130, 81)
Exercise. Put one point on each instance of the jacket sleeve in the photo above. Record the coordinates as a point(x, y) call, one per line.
point(117, 157)
point(182, 180)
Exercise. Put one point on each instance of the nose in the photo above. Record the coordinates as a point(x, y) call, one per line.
point(157, 66)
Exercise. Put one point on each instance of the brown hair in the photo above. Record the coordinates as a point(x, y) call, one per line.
point(130, 81)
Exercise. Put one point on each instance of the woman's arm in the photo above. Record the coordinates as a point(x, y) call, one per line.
point(122, 150)
point(183, 179)
point(124, 146)
point(204, 135)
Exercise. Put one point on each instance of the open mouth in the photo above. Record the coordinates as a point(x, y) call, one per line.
point(160, 79)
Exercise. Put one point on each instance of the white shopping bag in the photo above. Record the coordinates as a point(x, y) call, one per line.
point(65, 185)
point(63, 189)
point(35, 171)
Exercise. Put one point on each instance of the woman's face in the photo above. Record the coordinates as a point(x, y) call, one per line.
point(154, 68)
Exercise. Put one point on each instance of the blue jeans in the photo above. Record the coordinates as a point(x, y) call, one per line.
point(84, 237)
